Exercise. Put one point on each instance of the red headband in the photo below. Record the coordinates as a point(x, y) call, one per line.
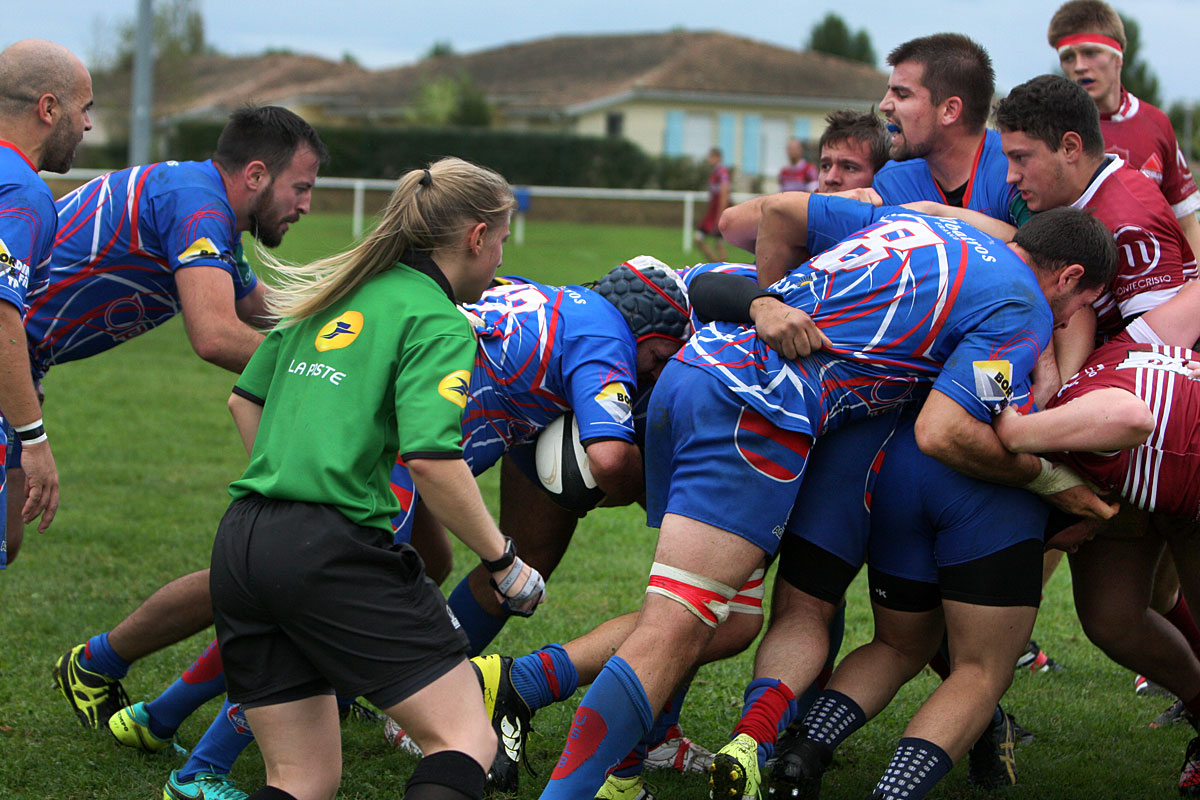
point(1095, 39)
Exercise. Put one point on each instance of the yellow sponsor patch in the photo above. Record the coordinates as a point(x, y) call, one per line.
point(14, 270)
point(614, 398)
point(339, 332)
point(201, 248)
point(993, 381)
point(454, 387)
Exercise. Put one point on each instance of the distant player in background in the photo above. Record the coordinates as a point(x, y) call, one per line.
point(799, 174)
point(135, 248)
point(718, 201)
point(45, 104)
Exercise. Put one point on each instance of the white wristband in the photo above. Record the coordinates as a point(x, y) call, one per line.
point(1053, 478)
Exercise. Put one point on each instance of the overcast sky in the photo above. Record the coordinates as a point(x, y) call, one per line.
point(383, 33)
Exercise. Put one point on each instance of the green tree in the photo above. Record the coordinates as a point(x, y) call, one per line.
point(440, 49)
point(178, 33)
point(1178, 113)
point(451, 100)
point(832, 35)
point(1136, 75)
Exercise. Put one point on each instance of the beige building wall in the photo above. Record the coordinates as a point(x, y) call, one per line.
point(645, 124)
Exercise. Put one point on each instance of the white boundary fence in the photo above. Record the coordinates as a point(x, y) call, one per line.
point(360, 187)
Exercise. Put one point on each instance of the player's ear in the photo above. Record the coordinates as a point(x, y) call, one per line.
point(1071, 146)
point(952, 110)
point(1069, 277)
point(47, 104)
point(475, 236)
point(256, 175)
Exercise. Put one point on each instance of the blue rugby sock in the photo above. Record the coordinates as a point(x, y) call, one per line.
point(917, 766)
point(833, 717)
point(221, 744)
point(612, 717)
point(544, 676)
point(479, 626)
point(768, 707)
point(98, 656)
point(667, 718)
point(203, 680)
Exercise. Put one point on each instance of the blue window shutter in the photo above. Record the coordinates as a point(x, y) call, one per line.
point(802, 129)
point(751, 134)
point(727, 135)
point(673, 135)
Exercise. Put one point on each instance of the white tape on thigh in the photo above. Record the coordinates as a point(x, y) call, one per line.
point(704, 597)
point(749, 599)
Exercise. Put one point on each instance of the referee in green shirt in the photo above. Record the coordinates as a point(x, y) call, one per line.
point(310, 595)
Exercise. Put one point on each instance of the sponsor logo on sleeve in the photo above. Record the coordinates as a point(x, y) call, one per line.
point(339, 332)
point(201, 248)
point(455, 386)
point(614, 398)
point(15, 271)
point(993, 382)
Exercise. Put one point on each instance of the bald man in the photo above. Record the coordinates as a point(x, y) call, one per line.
point(45, 100)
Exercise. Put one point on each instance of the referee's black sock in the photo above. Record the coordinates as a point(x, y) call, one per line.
point(271, 793)
point(447, 775)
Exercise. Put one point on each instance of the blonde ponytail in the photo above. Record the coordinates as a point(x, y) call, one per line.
point(427, 209)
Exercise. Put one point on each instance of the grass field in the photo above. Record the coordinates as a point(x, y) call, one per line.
point(145, 448)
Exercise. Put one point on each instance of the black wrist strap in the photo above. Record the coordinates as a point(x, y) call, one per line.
point(720, 295)
point(505, 561)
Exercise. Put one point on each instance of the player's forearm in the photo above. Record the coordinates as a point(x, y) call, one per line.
point(781, 242)
point(247, 415)
point(252, 309)
point(1106, 419)
point(945, 431)
point(617, 468)
point(1191, 231)
point(448, 489)
point(229, 346)
point(739, 224)
point(989, 225)
point(18, 399)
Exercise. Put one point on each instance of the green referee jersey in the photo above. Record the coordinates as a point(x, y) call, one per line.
point(383, 371)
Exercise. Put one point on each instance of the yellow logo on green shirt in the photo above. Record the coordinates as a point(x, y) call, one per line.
point(454, 387)
point(340, 331)
point(201, 248)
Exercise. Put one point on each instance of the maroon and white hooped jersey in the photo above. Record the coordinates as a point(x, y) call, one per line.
point(1153, 257)
point(1163, 474)
point(1143, 137)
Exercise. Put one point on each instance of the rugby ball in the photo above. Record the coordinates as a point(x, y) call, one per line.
point(562, 466)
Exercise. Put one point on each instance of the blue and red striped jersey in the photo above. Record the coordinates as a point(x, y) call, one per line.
point(120, 239)
point(910, 302)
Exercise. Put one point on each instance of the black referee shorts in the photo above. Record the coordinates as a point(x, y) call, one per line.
point(307, 602)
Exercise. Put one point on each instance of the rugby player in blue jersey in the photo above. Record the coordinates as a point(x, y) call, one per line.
point(906, 302)
point(936, 107)
point(133, 249)
point(45, 104)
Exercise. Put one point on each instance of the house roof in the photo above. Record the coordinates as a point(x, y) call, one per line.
point(557, 75)
point(205, 84)
point(562, 72)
